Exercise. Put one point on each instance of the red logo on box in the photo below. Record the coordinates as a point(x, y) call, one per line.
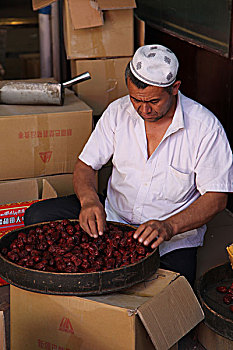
point(65, 326)
point(45, 156)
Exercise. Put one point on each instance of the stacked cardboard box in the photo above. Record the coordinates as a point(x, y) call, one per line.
point(43, 140)
point(151, 315)
point(102, 45)
point(2, 331)
point(107, 32)
point(107, 83)
point(39, 148)
point(99, 37)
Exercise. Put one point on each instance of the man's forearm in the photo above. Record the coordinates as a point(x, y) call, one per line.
point(84, 182)
point(196, 215)
point(199, 212)
point(92, 216)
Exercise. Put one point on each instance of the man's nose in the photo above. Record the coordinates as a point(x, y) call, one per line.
point(145, 107)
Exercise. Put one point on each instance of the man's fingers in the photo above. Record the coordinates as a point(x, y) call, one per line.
point(151, 237)
point(150, 234)
point(101, 224)
point(85, 220)
point(145, 234)
point(139, 230)
point(153, 233)
point(98, 225)
point(86, 228)
point(93, 227)
point(93, 221)
point(157, 242)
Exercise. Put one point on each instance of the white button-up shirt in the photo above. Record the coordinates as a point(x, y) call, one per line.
point(194, 157)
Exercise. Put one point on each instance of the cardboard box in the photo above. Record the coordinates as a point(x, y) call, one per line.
point(94, 29)
point(43, 140)
point(2, 332)
point(115, 38)
point(16, 197)
point(152, 315)
point(44, 187)
point(107, 83)
point(101, 4)
point(62, 183)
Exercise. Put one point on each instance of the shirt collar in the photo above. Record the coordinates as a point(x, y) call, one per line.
point(178, 118)
point(177, 121)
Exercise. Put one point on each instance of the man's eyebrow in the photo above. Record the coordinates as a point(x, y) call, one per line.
point(152, 100)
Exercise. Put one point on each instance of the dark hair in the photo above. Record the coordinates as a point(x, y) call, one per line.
point(134, 80)
point(140, 84)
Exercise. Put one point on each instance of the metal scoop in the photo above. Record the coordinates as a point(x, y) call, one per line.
point(26, 93)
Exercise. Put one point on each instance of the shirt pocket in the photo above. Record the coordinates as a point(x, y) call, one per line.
point(178, 185)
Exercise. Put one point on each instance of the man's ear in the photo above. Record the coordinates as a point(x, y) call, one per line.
point(175, 87)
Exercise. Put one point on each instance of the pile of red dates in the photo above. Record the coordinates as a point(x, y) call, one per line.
point(228, 295)
point(62, 246)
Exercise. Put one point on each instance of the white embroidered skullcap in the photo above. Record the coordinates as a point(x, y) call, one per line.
point(155, 65)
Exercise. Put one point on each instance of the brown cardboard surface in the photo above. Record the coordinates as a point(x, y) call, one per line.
point(172, 314)
point(107, 83)
point(2, 332)
point(38, 4)
point(61, 183)
point(68, 322)
point(128, 301)
point(23, 190)
point(131, 298)
point(114, 39)
point(154, 285)
point(105, 322)
point(35, 188)
point(48, 190)
point(85, 14)
point(103, 4)
point(18, 191)
point(116, 4)
point(42, 140)
point(142, 339)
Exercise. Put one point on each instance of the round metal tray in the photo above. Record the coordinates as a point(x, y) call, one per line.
point(94, 283)
point(218, 316)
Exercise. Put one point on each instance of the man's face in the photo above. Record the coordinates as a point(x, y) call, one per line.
point(153, 103)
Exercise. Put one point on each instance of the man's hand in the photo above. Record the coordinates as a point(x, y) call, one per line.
point(197, 214)
point(154, 229)
point(92, 218)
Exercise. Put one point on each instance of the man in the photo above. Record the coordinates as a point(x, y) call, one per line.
point(172, 165)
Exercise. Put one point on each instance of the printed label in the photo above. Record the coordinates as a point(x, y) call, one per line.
point(65, 326)
point(45, 156)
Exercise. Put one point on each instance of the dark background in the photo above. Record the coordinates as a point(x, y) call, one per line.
point(206, 67)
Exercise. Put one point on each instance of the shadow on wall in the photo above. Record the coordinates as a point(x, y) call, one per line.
point(217, 238)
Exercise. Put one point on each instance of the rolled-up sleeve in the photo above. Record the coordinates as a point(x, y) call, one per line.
point(214, 169)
